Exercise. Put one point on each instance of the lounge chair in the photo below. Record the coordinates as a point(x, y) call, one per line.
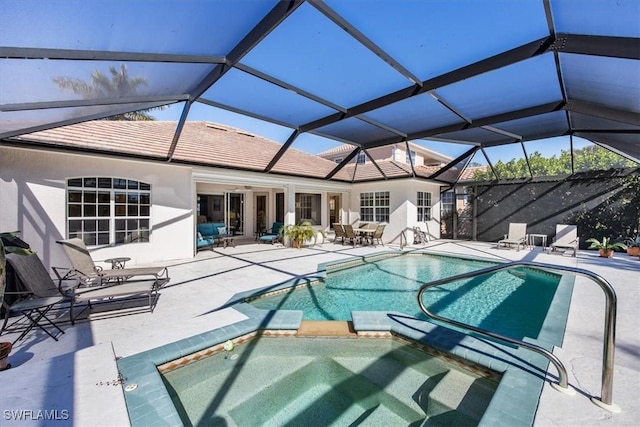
point(35, 278)
point(566, 238)
point(91, 274)
point(40, 295)
point(339, 231)
point(517, 236)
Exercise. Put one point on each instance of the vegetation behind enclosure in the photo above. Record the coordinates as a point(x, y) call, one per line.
point(601, 204)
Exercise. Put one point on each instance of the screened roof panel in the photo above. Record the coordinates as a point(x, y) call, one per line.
point(476, 135)
point(249, 93)
point(628, 143)
point(415, 114)
point(323, 60)
point(434, 37)
point(525, 84)
point(537, 127)
point(29, 80)
point(355, 130)
point(13, 121)
point(500, 70)
point(598, 17)
point(614, 82)
point(585, 121)
point(203, 28)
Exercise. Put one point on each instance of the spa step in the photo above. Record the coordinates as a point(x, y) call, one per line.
point(326, 328)
point(467, 395)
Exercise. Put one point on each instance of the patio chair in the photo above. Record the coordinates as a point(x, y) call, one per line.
point(377, 235)
point(350, 234)
point(91, 274)
point(566, 238)
point(517, 236)
point(272, 235)
point(339, 231)
point(40, 295)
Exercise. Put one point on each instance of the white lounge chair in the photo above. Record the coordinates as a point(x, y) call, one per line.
point(566, 238)
point(517, 236)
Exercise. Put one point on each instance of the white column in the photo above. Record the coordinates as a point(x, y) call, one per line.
point(290, 214)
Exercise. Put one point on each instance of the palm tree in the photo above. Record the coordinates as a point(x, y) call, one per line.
point(116, 85)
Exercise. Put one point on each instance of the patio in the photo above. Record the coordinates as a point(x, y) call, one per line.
point(78, 374)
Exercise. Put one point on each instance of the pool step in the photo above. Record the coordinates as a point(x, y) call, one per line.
point(326, 328)
point(459, 396)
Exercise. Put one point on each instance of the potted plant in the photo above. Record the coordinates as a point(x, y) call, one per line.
point(605, 247)
point(633, 245)
point(299, 233)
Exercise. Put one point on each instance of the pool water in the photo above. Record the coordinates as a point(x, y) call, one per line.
point(513, 303)
point(328, 381)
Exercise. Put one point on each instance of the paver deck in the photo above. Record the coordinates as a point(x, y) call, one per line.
point(77, 376)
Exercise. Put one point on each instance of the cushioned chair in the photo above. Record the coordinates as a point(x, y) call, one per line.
point(272, 235)
point(566, 238)
point(204, 243)
point(39, 297)
point(517, 236)
point(91, 274)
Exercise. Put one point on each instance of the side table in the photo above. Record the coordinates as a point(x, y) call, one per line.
point(117, 263)
point(542, 237)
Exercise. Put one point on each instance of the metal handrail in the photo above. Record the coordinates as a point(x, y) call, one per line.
point(609, 326)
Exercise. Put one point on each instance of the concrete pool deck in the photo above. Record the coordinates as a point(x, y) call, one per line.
point(76, 379)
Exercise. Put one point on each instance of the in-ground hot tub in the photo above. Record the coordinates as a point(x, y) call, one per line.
point(328, 381)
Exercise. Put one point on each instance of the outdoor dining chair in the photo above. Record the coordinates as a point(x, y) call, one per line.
point(350, 234)
point(339, 232)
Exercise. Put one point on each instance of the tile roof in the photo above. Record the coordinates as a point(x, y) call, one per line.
point(217, 145)
point(200, 143)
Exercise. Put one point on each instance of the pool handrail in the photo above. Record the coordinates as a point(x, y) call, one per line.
point(605, 400)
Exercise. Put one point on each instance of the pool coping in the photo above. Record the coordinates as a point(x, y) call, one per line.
point(514, 402)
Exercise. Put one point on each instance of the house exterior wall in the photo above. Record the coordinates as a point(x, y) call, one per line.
point(33, 200)
point(402, 210)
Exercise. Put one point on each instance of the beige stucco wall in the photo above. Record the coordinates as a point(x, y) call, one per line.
point(33, 200)
point(403, 211)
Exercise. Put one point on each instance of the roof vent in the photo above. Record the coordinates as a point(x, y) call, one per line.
point(216, 127)
point(247, 134)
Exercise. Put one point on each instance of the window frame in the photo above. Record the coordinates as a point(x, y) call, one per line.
point(105, 211)
point(375, 206)
point(424, 203)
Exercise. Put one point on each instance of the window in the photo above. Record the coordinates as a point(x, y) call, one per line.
point(101, 211)
point(424, 206)
point(447, 199)
point(411, 157)
point(362, 158)
point(338, 159)
point(374, 207)
point(308, 208)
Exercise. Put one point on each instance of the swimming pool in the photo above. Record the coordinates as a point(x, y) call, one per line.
point(328, 381)
point(521, 376)
point(512, 303)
